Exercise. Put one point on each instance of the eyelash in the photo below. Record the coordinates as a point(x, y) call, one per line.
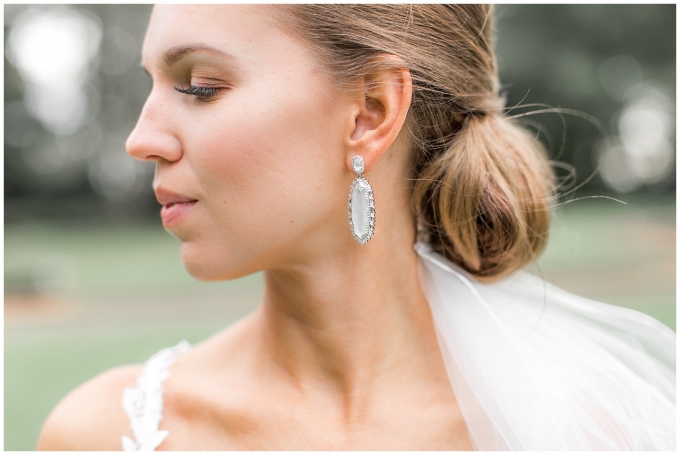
point(201, 93)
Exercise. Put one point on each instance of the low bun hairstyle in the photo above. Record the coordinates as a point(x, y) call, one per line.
point(482, 183)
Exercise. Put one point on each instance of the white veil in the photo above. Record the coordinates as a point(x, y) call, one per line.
point(536, 368)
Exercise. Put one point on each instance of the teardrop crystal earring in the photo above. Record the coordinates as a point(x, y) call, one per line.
point(361, 204)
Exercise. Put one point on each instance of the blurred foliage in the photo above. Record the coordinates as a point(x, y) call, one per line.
point(595, 59)
point(83, 171)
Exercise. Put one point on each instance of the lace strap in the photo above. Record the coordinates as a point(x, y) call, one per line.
point(143, 403)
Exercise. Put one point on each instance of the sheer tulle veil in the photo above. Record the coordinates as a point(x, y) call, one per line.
point(536, 368)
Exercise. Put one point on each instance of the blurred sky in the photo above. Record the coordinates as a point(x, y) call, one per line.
point(74, 88)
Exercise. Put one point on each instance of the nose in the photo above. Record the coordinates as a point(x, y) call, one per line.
point(154, 138)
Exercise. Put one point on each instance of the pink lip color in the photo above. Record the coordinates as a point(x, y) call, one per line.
point(172, 213)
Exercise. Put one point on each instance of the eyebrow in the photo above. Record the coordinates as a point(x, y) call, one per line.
point(176, 53)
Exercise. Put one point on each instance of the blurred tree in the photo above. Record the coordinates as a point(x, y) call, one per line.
point(54, 167)
point(596, 59)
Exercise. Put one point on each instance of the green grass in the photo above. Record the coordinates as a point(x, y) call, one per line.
point(92, 259)
point(621, 254)
point(108, 267)
point(41, 369)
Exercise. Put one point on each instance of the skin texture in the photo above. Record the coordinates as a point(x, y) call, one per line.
point(342, 353)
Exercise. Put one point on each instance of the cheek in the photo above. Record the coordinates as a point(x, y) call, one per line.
point(265, 132)
point(269, 173)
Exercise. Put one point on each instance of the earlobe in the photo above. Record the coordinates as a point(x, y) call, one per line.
point(383, 103)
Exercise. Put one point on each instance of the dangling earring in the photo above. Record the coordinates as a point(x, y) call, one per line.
point(361, 204)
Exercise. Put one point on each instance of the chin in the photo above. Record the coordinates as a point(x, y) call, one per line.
point(201, 273)
point(204, 266)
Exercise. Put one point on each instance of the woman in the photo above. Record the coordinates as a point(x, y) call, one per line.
point(260, 120)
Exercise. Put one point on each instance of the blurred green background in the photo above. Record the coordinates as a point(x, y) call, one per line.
point(92, 281)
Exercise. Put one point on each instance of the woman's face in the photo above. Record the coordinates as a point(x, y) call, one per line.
point(252, 156)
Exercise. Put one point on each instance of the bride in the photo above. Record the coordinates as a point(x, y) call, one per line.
point(320, 144)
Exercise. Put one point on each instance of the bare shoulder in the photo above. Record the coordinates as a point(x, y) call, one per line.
point(91, 417)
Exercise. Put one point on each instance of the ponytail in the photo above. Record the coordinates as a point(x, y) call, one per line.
point(485, 200)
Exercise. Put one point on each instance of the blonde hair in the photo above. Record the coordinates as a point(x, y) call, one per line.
point(482, 182)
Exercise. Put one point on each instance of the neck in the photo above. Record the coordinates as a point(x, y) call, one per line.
point(347, 319)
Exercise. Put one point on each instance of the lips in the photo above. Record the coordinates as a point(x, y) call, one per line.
point(175, 206)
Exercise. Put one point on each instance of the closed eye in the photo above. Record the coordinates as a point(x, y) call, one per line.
point(201, 93)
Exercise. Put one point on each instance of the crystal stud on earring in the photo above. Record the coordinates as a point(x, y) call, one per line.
point(361, 204)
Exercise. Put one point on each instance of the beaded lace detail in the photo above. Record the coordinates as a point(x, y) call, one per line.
point(143, 403)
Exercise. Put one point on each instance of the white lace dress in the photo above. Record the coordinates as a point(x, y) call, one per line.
point(532, 367)
point(143, 403)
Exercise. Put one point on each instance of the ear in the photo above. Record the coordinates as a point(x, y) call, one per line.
point(383, 100)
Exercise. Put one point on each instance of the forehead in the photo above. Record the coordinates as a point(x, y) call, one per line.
point(244, 30)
